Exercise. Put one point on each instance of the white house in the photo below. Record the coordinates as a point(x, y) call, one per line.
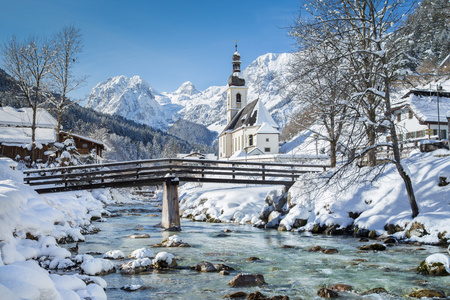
point(418, 115)
point(250, 129)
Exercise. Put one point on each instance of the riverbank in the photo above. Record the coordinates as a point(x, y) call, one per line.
point(31, 228)
point(354, 204)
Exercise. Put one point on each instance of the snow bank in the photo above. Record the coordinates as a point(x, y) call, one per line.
point(379, 203)
point(224, 202)
point(27, 280)
point(30, 226)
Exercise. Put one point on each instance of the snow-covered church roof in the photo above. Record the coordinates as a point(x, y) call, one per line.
point(254, 114)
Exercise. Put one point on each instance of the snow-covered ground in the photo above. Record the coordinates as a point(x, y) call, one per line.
point(31, 225)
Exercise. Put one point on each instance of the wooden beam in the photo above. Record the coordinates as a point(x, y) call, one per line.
point(170, 219)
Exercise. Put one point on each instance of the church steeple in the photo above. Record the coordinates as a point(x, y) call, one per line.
point(235, 79)
point(237, 91)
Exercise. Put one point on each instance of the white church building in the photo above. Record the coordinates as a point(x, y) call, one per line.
point(250, 129)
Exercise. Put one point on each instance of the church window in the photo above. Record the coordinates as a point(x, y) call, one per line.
point(250, 140)
point(267, 139)
point(238, 100)
point(410, 115)
point(266, 149)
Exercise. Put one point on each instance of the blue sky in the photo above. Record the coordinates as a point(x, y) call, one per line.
point(166, 42)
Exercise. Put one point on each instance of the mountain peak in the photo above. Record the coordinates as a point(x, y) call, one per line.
point(187, 88)
point(131, 98)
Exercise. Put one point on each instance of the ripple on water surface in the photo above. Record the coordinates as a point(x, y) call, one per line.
point(282, 257)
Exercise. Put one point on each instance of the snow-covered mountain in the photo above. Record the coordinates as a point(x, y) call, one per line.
point(131, 98)
point(135, 99)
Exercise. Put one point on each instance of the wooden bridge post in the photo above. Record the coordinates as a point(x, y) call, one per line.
point(170, 209)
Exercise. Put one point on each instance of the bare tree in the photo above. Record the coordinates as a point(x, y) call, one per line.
point(67, 44)
point(320, 87)
point(361, 38)
point(29, 63)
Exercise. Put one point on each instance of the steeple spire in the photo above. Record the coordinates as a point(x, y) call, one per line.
point(235, 79)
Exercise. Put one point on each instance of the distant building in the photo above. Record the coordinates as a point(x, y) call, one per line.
point(15, 134)
point(197, 155)
point(250, 129)
point(84, 144)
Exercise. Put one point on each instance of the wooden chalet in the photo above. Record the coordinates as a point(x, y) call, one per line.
point(15, 135)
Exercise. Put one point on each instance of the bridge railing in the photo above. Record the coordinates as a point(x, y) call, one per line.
point(156, 171)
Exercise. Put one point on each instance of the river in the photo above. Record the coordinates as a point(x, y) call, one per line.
point(293, 271)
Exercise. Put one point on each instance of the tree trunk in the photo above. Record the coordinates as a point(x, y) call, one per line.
point(333, 153)
point(371, 154)
point(396, 152)
point(33, 130)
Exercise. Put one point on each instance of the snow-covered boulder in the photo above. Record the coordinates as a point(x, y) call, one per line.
point(97, 266)
point(136, 266)
point(435, 264)
point(174, 241)
point(164, 260)
point(142, 253)
point(114, 254)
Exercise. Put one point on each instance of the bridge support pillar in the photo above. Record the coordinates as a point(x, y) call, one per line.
point(170, 208)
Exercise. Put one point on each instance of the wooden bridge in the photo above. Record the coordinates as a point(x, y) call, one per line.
point(169, 173)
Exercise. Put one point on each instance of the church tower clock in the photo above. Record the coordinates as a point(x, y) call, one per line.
point(237, 91)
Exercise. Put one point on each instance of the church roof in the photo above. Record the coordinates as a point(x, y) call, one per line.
point(253, 114)
point(266, 128)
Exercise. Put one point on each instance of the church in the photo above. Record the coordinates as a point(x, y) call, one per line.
point(250, 129)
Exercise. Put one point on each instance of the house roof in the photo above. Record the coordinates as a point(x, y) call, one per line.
point(423, 103)
point(253, 114)
point(22, 135)
point(83, 138)
point(23, 117)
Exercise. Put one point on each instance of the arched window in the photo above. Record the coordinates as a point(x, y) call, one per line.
point(238, 98)
point(250, 140)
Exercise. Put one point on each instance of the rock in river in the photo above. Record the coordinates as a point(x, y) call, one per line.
point(427, 293)
point(373, 247)
point(204, 266)
point(327, 293)
point(244, 280)
point(140, 236)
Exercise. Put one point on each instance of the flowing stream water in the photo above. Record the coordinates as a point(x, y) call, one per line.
point(293, 271)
